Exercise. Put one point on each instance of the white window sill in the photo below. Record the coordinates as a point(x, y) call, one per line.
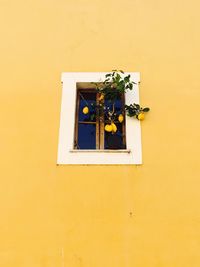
point(100, 151)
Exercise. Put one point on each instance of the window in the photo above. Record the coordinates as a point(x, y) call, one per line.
point(89, 128)
point(82, 139)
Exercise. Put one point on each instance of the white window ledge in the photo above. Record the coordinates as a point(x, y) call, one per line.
point(100, 151)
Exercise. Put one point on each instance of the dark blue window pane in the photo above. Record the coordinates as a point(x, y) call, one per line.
point(86, 136)
point(114, 141)
point(86, 130)
point(118, 105)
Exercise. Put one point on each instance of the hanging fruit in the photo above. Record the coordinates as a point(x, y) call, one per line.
point(108, 128)
point(101, 97)
point(141, 116)
point(85, 110)
point(120, 118)
point(114, 127)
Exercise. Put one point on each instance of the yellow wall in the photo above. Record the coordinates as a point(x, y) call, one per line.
point(94, 216)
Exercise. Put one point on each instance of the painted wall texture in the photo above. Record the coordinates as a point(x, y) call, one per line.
point(94, 216)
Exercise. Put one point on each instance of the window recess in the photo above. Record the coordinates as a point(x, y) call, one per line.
point(89, 128)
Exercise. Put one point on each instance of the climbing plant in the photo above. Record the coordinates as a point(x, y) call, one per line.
point(115, 84)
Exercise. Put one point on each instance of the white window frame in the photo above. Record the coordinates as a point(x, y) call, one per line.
point(66, 153)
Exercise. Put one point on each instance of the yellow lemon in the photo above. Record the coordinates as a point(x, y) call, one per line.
point(141, 116)
point(101, 97)
point(85, 110)
point(120, 118)
point(114, 127)
point(108, 128)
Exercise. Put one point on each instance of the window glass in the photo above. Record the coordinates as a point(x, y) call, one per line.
point(116, 140)
point(86, 123)
point(86, 136)
point(89, 126)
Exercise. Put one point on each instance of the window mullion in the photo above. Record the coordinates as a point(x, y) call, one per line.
point(97, 124)
point(101, 127)
point(124, 122)
point(76, 120)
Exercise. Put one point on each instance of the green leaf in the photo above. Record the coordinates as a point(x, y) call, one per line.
point(118, 77)
point(127, 78)
point(146, 109)
point(137, 106)
point(92, 116)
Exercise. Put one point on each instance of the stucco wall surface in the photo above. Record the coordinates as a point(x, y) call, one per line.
point(94, 216)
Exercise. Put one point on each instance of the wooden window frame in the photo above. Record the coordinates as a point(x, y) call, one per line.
point(100, 121)
point(66, 152)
